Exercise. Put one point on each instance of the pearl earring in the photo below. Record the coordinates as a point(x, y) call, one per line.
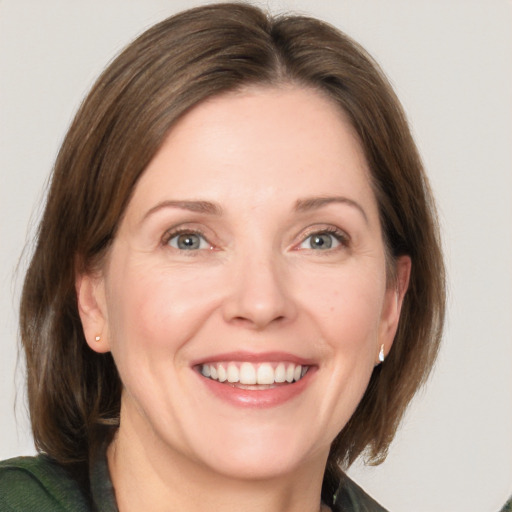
point(381, 354)
point(98, 338)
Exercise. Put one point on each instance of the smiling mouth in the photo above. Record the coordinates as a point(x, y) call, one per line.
point(247, 375)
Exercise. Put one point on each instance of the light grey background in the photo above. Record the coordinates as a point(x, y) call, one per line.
point(451, 64)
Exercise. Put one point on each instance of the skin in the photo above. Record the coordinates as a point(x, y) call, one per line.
point(255, 284)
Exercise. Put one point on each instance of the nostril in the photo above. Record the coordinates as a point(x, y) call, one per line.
point(257, 323)
point(255, 300)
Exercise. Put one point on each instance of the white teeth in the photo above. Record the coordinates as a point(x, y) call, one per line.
point(221, 373)
point(233, 373)
point(250, 374)
point(247, 374)
point(280, 375)
point(265, 374)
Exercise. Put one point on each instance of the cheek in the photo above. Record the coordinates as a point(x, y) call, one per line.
point(156, 310)
point(347, 313)
point(347, 306)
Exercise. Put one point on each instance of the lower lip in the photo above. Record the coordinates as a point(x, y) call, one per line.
point(258, 398)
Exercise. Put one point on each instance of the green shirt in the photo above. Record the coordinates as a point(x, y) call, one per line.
point(37, 484)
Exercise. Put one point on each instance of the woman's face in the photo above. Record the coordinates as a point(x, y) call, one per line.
point(244, 298)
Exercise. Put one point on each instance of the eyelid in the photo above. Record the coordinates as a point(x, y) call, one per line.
point(342, 236)
point(183, 230)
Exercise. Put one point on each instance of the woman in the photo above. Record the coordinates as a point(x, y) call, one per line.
point(237, 286)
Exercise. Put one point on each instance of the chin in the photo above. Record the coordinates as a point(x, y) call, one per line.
point(261, 455)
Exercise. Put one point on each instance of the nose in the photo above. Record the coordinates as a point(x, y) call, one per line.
point(259, 294)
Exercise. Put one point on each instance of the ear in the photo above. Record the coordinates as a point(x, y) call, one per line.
point(90, 293)
point(393, 305)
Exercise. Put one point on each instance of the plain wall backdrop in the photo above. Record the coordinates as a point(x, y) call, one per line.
point(451, 64)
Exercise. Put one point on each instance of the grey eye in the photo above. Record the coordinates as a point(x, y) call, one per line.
point(188, 242)
point(320, 241)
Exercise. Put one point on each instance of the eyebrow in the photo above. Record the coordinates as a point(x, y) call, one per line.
point(314, 203)
point(192, 206)
point(301, 205)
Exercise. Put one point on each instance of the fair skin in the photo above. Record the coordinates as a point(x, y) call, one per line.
point(252, 240)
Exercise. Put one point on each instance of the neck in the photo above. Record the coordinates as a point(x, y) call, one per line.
point(148, 476)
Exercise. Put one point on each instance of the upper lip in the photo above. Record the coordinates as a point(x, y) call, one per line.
point(255, 357)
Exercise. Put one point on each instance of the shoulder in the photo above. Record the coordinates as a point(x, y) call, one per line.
point(508, 506)
point(350, 497)
point(30, 484)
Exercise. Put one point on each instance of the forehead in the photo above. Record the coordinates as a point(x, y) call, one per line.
point(266, 140)
point(287, 116)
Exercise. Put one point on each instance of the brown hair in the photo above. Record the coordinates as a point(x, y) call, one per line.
point(120, 126)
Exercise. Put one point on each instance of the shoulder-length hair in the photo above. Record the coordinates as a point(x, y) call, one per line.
point(120, 126)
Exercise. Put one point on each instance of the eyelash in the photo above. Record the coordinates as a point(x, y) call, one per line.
point(336, 233)
point(339, 235)
point(169, 235)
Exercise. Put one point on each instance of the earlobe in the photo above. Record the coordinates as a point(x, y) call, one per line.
point(91, 302)
point(392, 307)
